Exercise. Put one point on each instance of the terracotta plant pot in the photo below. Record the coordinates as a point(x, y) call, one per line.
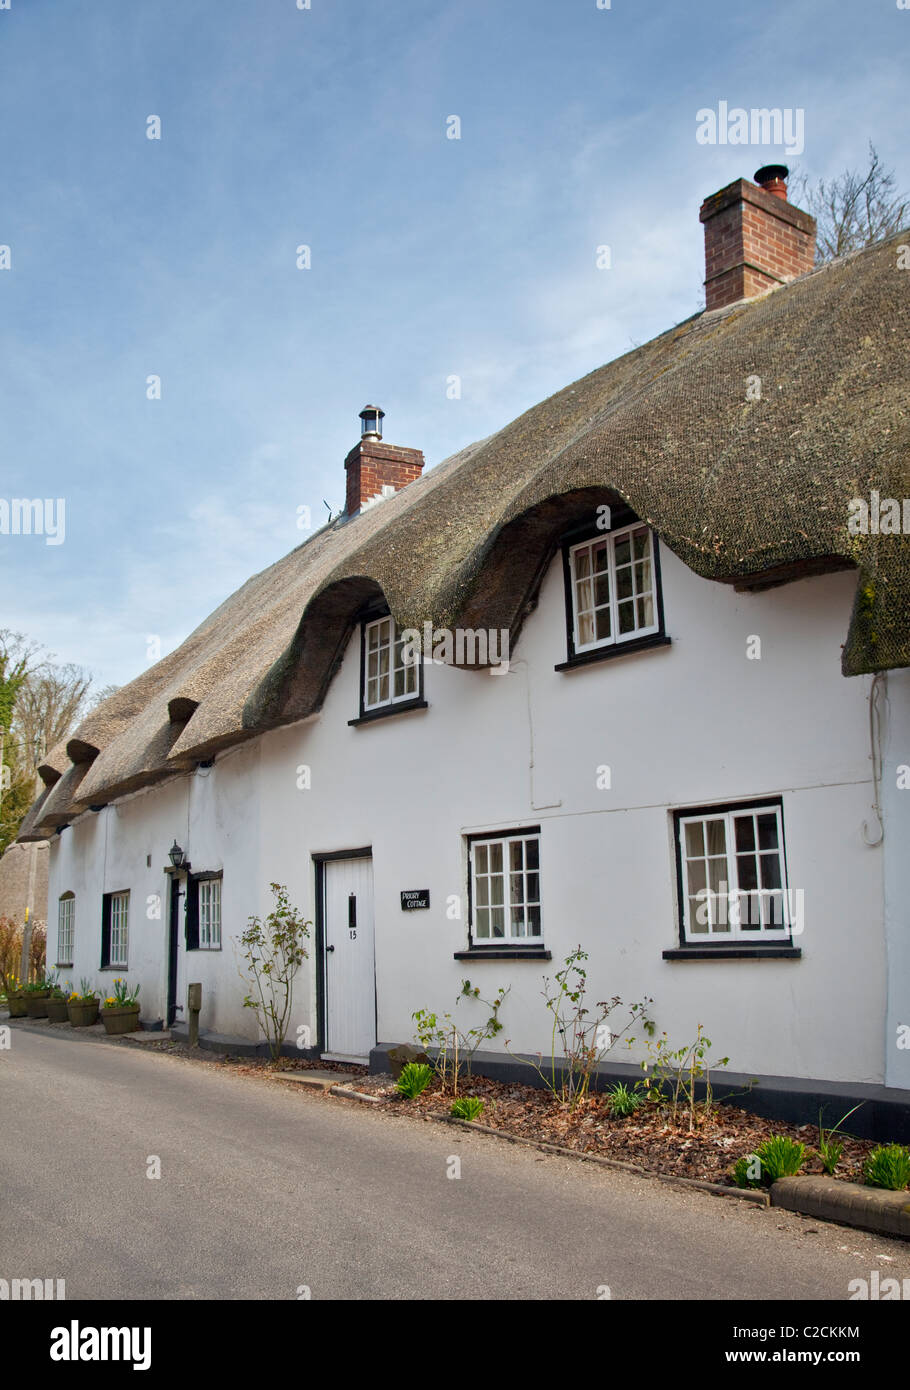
point(36, 1005)
point(120, 1018)
point(57, 1010)
point(16, 1005)
point(82, 1012)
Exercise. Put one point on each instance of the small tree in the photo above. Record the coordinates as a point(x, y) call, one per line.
point(854, 209)
point(272, 952)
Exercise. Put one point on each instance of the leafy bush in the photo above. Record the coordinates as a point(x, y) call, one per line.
point(888, 1166)
point(624, 1100)
point(466, 1108)
point(454, 1048)
point(272, 952)
point(780, 1157)
point(414, 1079)
point(680, 1070)
point(579, 1038)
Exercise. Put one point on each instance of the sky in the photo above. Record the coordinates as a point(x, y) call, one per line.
point(430, 257)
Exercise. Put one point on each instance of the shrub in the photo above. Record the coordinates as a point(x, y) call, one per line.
point(780, 1157)
point(580, 1038)
point(414, 1079)
point(624, 1101)
point(888, 1166)
point(455, 1047)
point(272, 952)
point(466, 1108)
point(681, 1069)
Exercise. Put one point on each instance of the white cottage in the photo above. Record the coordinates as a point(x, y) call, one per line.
point(661, 710)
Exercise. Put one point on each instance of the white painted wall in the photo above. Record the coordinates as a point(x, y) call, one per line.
point(895, 802)
point(689, 724)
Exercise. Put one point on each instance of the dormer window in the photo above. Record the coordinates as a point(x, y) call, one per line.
point(389, 675)
point(613, 599)
point(391, 670)
point(613, 588)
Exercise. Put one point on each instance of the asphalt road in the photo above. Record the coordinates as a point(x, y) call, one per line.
point(265, 1190)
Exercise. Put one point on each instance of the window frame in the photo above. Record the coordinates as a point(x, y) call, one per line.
point(370, 617)
point(122, 895)
point(623, 520)
point(68, 898)
point(757, 940)
point(516, 945)
point(193, 911)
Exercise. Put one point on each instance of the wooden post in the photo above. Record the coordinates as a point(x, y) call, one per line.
point(24, 972)
point(194, 1004)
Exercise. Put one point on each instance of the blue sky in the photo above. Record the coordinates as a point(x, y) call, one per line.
point(431, 257)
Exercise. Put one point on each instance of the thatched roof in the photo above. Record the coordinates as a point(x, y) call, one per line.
point(745, 492)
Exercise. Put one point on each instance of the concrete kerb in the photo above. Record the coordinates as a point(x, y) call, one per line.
point(847, 1203)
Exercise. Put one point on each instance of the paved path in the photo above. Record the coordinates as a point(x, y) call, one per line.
point(264, 1189)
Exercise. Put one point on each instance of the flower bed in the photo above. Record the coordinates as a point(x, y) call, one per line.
point(645, 1139)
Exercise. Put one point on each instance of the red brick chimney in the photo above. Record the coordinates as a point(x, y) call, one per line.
point(373, 465)
point(754, 238)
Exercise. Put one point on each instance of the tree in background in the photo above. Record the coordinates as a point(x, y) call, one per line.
point(854, 209)
point(16, 782)
point(40, 703)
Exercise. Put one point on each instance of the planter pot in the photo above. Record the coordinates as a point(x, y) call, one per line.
point(82, 1013)
point(57, 1010)
point(16, 1005)
point(123, 1018)
point(36, 1005)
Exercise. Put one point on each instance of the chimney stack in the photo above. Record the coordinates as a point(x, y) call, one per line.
point(754, 238)
point(373, 467)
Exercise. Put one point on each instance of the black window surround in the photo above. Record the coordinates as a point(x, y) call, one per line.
point(503, 950)
point(191, 909)
point(106, 901)
point(368, 614)
point(619, 518)
point(734, 950)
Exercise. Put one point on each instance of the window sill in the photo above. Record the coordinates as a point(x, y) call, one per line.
point(401, 708)
point(109, 969)
point(207, 949)
point(781, 952)
point(504, 953)
point(63, 965)
point(641, 644)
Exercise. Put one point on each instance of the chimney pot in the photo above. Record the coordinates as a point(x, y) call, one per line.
point(773, 179)
point(371, 418)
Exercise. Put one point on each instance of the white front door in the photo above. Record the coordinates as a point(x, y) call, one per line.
point(350, 974)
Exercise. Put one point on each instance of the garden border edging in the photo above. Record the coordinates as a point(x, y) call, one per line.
point(716, 1189)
